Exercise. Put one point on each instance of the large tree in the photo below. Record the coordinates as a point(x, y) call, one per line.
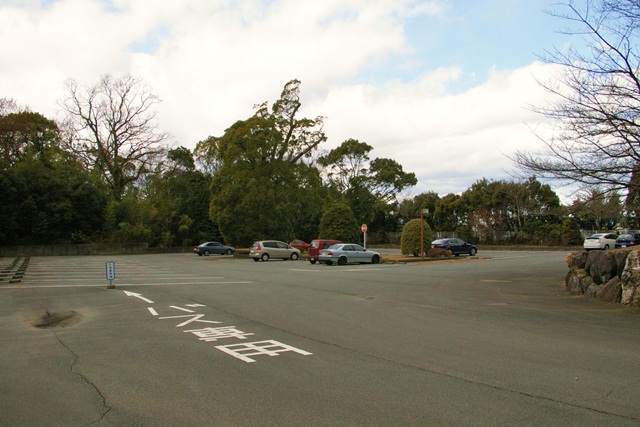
point(369, 186)
point(410, 209)
point(597, 210)
point(180, 196)
point(112, 127)
point(263, 187)
point(50, 199)
point(349, 167)
point(25, 135)
point(597, 100)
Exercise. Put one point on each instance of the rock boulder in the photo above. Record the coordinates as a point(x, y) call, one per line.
point(612, 276)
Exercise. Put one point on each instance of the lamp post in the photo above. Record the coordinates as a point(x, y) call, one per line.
point(422, 212)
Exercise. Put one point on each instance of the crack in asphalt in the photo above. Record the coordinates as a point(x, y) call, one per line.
point(84, 378)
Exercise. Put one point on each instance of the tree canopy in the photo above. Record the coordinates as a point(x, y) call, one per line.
point(107, 175)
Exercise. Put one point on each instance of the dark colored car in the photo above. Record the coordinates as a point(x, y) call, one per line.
point(628, 239)
point(299, 244)
point(208, 248)
point(456, 246)
point(317, 245)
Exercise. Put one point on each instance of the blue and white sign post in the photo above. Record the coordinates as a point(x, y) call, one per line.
point(111, 274)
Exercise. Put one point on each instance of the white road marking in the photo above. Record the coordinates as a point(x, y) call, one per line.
point(152, 311)
point(139, 296)
point(268, 348)
point(336, 269)
point(128, 285)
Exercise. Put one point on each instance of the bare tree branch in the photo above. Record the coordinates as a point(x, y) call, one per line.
point(113, 128)
point(596, 142)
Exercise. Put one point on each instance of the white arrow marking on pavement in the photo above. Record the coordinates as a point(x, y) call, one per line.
point(139, 296)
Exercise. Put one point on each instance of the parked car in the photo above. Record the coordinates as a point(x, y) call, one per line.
point(348, 253)
point(600, 241)
point(266, 249)
point(300, 244)
point(630, 238)
point(456, 246)
point(207, 248)
point(317, 245)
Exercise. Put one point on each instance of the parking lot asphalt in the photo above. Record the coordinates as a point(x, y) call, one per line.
point(188, 340)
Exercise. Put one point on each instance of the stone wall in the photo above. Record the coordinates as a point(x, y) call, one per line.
point(611, 276)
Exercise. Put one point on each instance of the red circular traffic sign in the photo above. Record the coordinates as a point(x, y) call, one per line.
point(363, 227)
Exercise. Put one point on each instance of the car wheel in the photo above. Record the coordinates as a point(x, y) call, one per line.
point(456, 254)
point(206, 253)
point(312, 261)
point(473, 252)
point(265, 257)
point(329, 262)
point(342, 260)
point(375, 259)
point(606, 247)
point(295, 256)
point(229, 252)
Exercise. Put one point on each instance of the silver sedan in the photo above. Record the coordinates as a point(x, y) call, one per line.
point(348, 253)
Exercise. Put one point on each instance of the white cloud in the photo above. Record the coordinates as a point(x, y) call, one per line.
point(210, 62)
point(448, 140)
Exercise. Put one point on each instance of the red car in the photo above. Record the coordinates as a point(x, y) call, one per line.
point(317, 245)
point(299, 244)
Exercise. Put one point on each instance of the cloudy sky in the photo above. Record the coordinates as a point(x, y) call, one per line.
point(440, 86)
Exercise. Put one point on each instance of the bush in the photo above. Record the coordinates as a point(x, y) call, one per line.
point(338, 222)
point(439, 253)
point(410, 240)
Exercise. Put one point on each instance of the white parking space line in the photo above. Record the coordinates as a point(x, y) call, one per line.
point(340, 268)
point(128, 285)
point(497, 258)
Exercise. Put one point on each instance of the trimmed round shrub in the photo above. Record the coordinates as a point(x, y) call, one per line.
point(410, 240)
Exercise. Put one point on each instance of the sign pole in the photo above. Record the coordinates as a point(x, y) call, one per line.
point(363, 227)
point(422, 235)
point(111, 273)
point(422, 213)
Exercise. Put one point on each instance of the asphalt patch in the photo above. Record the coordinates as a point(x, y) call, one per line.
point(51, 320)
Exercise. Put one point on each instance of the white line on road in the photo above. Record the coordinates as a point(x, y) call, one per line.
point(129, 285)
point(336, 269)
point(133, 294)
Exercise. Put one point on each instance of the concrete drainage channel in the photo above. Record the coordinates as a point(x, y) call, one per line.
point(14, 272)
